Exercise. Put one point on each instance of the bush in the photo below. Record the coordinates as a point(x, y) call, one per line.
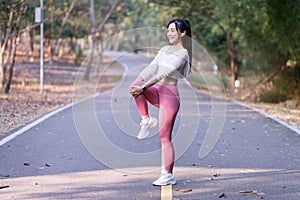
point(272, 96)
point(285, 87)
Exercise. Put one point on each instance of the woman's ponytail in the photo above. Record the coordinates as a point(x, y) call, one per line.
point(187, 40)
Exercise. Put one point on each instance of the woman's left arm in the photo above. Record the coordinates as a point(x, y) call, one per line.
point(137, 90)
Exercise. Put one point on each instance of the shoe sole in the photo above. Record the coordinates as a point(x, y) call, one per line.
point(170, 183)
point(154, 125)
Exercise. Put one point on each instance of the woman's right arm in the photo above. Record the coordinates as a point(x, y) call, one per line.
point(147, 73)
point(151, 69)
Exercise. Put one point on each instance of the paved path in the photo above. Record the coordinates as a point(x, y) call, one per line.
point(74, 154)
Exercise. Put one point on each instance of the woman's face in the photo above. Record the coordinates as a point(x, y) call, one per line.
point(173, 35)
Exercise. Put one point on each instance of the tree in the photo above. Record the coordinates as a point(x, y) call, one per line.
point(58, 14)
point(12, 14)
point(63, 23)
point(276, 44)
point(98, 30)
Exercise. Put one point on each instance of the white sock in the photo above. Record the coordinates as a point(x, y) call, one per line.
point(146, 120)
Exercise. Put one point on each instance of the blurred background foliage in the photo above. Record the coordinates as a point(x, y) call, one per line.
point(256, 42)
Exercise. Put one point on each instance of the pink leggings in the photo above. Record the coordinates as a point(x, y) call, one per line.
point(166, 98)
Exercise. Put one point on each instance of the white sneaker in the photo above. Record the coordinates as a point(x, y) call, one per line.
point(165, 179)
point(146, 127)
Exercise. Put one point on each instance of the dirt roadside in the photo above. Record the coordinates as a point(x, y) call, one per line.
point(26, 103)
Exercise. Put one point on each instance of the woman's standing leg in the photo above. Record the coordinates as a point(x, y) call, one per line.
point(169, 106)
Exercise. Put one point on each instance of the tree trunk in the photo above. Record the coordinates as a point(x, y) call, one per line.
point(94, 30)
point(72, 48)
point(101, 28)
point(91, 56)
point(233, 60)
point(3, 63)
point(63, 24)
point(12, 50)
point(115, 44)
point(3, 71)
point(31, 45)
point(99, 58)
point(6, 64)
point(50, 51)
point(27, 41)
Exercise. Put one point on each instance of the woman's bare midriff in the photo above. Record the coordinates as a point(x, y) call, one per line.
point(169, 81)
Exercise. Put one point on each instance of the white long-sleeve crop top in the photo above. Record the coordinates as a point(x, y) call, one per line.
point(168, 64)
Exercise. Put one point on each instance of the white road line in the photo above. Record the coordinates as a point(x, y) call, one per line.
point(269, 116)
point(32, 124)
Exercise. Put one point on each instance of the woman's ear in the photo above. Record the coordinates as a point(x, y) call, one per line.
point(183, 34)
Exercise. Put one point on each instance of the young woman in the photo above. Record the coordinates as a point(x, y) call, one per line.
point(157, 84)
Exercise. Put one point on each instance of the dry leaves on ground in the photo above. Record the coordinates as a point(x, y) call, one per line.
point(26, 103)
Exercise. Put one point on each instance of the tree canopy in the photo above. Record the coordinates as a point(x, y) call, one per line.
point(246, 37)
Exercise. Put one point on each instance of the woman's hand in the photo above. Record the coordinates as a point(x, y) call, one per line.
point(135, 90)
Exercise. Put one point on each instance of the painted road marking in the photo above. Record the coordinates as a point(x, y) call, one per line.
point(166, 190)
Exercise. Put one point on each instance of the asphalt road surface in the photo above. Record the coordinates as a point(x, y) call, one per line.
point(90, 151)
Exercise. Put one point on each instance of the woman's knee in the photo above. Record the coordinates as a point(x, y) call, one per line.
point(165, 138)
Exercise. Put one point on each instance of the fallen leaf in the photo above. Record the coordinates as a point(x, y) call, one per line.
point(248, 192)
point(184, 191)
point(5, 186)
point(238, 121)
point(3, 175)
point(222, 195)
point(252, 192)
